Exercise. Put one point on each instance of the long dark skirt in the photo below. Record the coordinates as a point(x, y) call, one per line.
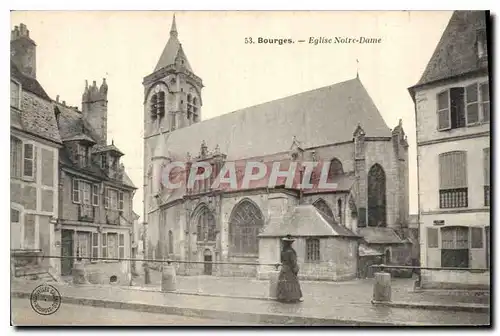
point(288, 286)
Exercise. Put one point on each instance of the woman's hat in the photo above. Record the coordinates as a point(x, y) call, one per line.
point(288, 238)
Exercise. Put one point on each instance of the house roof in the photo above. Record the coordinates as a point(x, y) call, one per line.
point(303, 221)
point(365, 251)
point(319, 117)
point(73, 127)
point(380, 235)
point(456, 52)
point(172, 49)
point(39, 121)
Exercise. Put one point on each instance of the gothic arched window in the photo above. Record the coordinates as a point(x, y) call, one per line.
point(339, 210)
point(245, 223)
point(205, 228)
point(376, 196)
point(336, 168)
point(157, 105)
point(324, 209)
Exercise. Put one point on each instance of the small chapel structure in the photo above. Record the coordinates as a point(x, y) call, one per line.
point(366, 214)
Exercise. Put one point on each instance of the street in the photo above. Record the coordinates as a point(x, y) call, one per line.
point(23, 315)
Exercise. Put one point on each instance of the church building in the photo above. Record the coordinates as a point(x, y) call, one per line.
point(337, 231)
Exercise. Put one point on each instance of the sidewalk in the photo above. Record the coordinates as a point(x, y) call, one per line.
point(346, 292)
point(322, 311)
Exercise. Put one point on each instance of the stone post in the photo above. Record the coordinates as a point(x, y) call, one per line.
point(79, 274)
point(382, 287)
point(168, 278)
point(273, 284)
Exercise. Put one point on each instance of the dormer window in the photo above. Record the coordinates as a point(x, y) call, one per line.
point(83, 153)
point(157, 104)
point(104, 161)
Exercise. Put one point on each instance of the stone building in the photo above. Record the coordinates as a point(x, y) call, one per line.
point(95, 193)
point(70, 194)
point(337, 124)
point(34, 148)
point(452, 109)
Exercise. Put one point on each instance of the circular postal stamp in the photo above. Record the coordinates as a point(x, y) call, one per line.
point(45, 299)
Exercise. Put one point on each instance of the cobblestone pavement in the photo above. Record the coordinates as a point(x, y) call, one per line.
point(322, 307)
point(355, 291)
point(23, 315)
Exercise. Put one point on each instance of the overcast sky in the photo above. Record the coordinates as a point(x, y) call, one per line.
point(124, 47)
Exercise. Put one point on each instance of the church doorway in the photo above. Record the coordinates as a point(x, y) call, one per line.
point(207, 258)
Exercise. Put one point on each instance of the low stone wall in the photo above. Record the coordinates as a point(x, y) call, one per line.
point(444, 279)
point(101, 272)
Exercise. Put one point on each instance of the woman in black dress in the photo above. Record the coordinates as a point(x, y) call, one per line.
point(288, 283)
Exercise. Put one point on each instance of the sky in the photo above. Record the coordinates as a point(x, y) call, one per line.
point(124, 47)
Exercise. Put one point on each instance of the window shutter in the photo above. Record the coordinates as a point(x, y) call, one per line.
point(443, 110)
point(432, 238)
point(486, 155)
point(472, 104)
point(95, 195)
point(95, 245)
point(121, 246)
point(106, 198)
point(485, 101)
point(453, 170)
point(104, 244)
point(76, 191)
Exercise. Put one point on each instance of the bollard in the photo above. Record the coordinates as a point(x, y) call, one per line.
point(79, 274)
point(273, 284)
point(147, 276)
point(168, 282)
point(382, 287)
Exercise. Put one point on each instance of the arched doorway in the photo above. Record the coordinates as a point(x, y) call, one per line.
point(207, 258)
point(245, 223)
point(377, 197)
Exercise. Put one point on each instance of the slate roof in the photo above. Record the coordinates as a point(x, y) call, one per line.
point(319, 117)
point(39, 121)
point(380, 235)
point(172, 49)
point(73, 127)
point(456, 52)
point(304, 221)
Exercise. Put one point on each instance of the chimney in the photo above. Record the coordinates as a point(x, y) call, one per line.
point(23, 50)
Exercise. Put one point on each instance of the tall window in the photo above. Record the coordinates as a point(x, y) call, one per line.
point(377, 197)
point(95, 195)
point(112, 245)
point(113, 199)
point(121, 246)
point(324, 209)
point(336, 168)
point(205, 228)
point(472, 104)
point(83, 154)
point(16, 157)
point(455, 246)
point(15, 94)
point(170, 242)
point(453, 192)
point(245, 223)
point(312, 250)
point(83, 245)
point(486, 154)
point(157, 105)
point(28, 161)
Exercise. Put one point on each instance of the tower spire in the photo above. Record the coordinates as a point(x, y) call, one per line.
point(173, 29)
point(357, 68)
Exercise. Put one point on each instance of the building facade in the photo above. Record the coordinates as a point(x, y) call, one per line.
point(71, 196)
point(452, 108)
point(34, 153)
point(367, 160)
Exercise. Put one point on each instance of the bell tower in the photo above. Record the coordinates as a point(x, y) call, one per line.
point(172, 93)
